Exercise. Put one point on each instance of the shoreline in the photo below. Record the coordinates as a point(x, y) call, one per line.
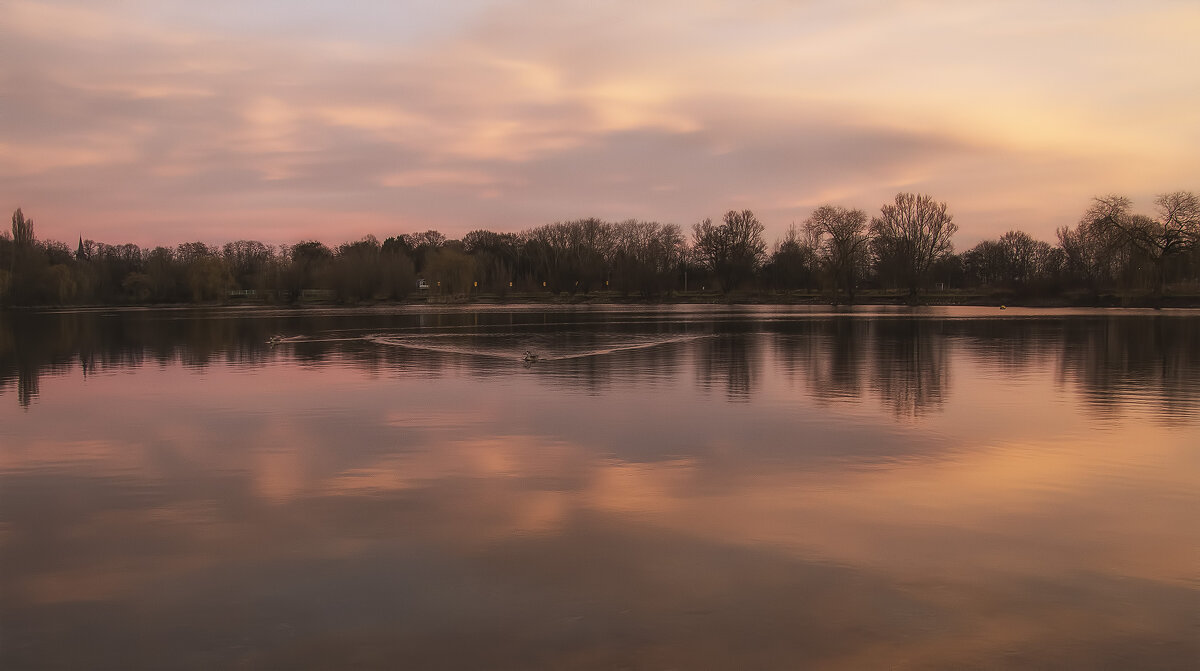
point(1181, 301)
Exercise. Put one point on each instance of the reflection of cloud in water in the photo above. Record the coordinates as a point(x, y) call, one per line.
point(534, 541)
point(295, 511)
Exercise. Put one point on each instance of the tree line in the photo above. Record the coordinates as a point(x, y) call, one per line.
point(905, 249)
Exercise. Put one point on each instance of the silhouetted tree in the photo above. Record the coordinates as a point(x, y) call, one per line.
point(910, 241)
point(1174, 232)
point(983, 264)
point(450, 270)
point(733, 250)
point(358, 269)
point(792, 262)
point(948, 271)
point(397, 245)
point(645, 256)
point(1015, 261)
point(164, 276)
point(1090, 252)
point(1022, 258)
point(548, 249)
point(840, 238)
point(914, 232)
point(422, 244)
point(205, 272)
point(26, 262)
point(22, 230)
point(590, 243)
point(251, 263)
point(496, 258)
point(309, 269)
point(399, 272)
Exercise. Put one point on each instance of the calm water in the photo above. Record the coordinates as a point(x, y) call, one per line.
point(689, 488)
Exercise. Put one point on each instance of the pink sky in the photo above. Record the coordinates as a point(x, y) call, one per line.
point(164, 122)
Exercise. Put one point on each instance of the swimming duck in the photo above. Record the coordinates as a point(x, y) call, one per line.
point(529, 357)
point(275, 340)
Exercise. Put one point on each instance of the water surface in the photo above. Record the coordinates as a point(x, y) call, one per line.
point(681, 487)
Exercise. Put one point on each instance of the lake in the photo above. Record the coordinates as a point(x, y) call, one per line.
point(679, 487)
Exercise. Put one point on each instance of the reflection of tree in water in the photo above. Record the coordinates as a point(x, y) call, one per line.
point(32, 346)
point(729, 358)
point(1121, 360)
point(827, 352)
point(904, 361)
point(36, 344)
point(910, 365)
point(27, 385)
point(1115, 360)
point(1014, 346)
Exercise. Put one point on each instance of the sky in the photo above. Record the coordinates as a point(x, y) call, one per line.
point(166, 121)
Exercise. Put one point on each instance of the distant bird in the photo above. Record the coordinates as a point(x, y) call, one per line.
point(529, 357)
point(1003, 308)
point(275, 340)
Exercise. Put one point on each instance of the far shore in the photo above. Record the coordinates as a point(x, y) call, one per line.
point(968, 299)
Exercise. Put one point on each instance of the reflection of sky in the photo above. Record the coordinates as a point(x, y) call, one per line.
point(325, 511)
point(169, 121)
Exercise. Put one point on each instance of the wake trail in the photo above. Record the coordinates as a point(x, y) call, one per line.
point(509, 355)
point(624, 348)
point(305, 339)
point(395, 342)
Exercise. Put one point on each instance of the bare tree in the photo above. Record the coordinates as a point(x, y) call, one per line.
point(1175, 231)
point(450, 270)
point(496, 258)
point(1016, 261)
point(249, 261)
point(1179, 213)
point(422, 245)
point(1089, 252)
point(548, 250)
point(590, 242)
point(915, 231)
point(792, 261)
point(645, 256)
point(733, 249)
point(841, 240)
point(984, 264)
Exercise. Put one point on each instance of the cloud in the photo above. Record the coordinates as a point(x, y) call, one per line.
point(181, 122)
